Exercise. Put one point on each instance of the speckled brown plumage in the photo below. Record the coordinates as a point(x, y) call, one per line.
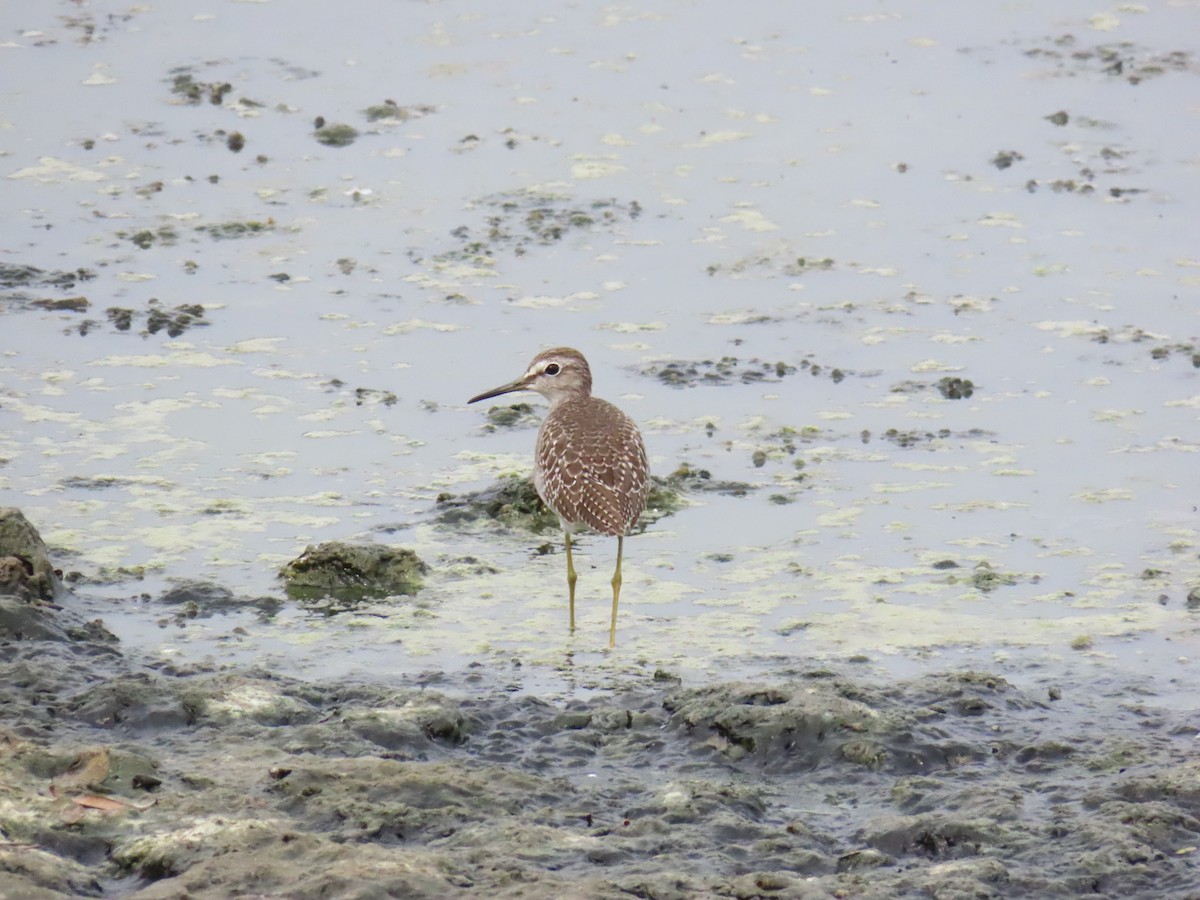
point(590, 464)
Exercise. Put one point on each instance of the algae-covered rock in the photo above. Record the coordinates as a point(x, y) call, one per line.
point(25, 568)
point(352, 572)
point(29, 584)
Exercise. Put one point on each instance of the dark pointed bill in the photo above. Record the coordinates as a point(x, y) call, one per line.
point(518, 385)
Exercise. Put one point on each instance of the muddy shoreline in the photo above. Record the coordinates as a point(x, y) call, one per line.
point(134, 778)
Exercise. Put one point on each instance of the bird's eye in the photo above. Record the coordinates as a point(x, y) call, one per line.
point(552, 369)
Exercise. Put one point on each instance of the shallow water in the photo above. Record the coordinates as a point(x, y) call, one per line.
point(749, 138)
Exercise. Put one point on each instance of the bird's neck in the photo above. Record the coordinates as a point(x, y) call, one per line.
point(557, 400)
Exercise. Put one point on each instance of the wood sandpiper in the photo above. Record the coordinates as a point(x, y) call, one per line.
point(590, 464)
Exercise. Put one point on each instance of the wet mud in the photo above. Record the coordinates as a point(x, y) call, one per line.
point(955, 785)
point(126, 777)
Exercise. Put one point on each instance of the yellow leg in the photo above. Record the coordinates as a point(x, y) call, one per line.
point(571, 579)
point(616, 583)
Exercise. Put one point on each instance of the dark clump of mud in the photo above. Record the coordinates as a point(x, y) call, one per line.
point(669, 493)
point(730, 369)
point(916, 437)
point(20, 286)
point(511, 415)
point(126, 778)
point(513, 500)
point(956, 388)
point(194, 599)
point(24, 276)
point(362, 396)
point(193, 92)
point(949, 387)
point(391, 111)
point(790, 265)
point(518, 221)
point(1068, 56)
point(157, 317)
